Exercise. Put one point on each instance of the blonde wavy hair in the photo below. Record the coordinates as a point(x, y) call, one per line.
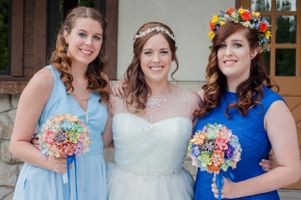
point(97, 82)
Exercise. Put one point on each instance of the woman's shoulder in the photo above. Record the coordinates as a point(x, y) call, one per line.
point(188, 96)
point(40, 84)
point(43, 79)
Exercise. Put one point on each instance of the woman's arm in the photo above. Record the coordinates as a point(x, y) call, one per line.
point(30, 107)
point(107, 135)
point(282, 134)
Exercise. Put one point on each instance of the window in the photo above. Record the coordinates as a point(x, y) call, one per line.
point(4, 37)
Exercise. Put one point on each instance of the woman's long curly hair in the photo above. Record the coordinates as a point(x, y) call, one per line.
point(137, 88)
point(250, 92)
point(97, 82)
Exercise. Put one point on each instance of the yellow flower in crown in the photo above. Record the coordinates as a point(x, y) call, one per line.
point(214, 19)
point(268, 35)
point(256, 14)
point(211, 35)
point(241, 11)
point(251, 20)
point(222, 22)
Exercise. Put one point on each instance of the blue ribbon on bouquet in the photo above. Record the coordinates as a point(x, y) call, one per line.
point(219, 180)
point(70, 159)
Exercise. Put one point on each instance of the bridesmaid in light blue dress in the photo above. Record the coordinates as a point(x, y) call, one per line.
point(74, 84)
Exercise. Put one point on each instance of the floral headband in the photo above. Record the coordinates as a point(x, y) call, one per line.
point(154, 29)
point(252, 20)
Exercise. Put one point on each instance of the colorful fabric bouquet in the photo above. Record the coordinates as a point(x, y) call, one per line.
point(214, 148)
point(64, 135)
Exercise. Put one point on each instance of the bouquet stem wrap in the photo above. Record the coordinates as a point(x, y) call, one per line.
point(219, 182)
point(70, 160)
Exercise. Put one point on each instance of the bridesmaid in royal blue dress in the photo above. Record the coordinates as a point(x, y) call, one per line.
point(73, 84)
point(238, 95)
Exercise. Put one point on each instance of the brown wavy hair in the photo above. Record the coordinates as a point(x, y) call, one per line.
point(250, 92)
point(97, 81)
point(137, 88)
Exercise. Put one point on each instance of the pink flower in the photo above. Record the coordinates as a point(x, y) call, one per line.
point(217, 158)
point(221, 143)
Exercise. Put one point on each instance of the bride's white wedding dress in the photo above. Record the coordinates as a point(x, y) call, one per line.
point(150, 149)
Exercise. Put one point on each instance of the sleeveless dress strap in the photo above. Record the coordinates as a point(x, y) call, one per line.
point(270, 97)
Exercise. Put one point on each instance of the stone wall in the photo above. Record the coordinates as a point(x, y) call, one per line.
point(9, 166)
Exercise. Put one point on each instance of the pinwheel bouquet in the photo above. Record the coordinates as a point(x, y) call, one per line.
point(64, 135)
point(214, 148)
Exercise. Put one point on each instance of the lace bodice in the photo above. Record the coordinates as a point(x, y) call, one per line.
point(154, 140)
point(178, 103)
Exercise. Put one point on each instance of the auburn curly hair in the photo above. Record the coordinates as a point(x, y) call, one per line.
point(249, 92)
point(137, 88)
point(97, 82)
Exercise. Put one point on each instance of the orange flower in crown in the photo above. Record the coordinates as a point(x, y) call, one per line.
point(248, 19)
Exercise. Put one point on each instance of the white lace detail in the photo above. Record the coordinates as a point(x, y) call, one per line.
point(179, 103)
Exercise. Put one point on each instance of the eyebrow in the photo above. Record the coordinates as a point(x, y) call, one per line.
point(87, 31)
point(237, 40)
point(152, 49)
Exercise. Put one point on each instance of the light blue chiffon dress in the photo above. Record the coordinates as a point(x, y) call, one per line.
point(35, 183)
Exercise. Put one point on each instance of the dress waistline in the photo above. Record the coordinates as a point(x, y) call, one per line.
point(148, 173)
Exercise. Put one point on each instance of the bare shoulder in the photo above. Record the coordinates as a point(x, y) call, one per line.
point(191, 96)
point(44, 77)
point(42, 80)
point(278, 106)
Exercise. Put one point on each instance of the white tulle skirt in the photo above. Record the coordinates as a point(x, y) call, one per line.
point(128, 184)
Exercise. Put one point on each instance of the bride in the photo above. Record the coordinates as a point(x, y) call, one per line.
point(152, 124)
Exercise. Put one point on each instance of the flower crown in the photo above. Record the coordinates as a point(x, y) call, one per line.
point(154, 29)
point(251, 20)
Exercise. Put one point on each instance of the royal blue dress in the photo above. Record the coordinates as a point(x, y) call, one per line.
point(39, 183)
point(252, 137)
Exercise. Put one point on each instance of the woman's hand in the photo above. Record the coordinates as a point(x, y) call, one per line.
point(118, 89)
point(58, 165)
point(269, 164)
point(227, 189)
